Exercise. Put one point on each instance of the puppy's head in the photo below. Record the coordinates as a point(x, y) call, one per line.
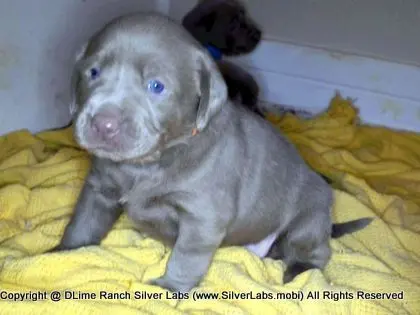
point(224, 24)
point(140, 84)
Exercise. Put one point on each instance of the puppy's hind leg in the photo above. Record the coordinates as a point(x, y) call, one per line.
point(305, 244)
point(301, 249)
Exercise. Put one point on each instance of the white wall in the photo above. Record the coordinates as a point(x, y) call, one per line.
point(178, 8)
point(38, 39)
point(387, 29)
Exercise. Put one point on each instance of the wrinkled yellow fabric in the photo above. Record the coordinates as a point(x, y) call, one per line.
point(375, 172)
point(335, 144)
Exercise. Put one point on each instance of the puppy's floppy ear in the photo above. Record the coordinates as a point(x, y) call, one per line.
point(75, 78)
point(212, 90)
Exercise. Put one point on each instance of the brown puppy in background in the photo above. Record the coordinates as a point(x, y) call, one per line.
point(225, 28)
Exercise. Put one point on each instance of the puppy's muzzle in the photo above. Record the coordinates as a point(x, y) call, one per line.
point(106, 124)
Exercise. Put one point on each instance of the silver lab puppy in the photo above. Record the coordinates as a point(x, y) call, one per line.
point(189, 167)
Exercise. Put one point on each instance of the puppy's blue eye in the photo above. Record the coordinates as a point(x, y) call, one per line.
point(94, 73)
point(155, 86)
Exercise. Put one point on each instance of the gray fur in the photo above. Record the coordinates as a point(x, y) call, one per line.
point(235, 183)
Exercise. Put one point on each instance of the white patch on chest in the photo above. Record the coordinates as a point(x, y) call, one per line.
point(262, 247)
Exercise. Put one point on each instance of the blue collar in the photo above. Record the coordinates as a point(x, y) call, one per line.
point(215, 52)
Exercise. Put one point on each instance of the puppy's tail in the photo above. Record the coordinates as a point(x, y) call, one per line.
point(340, 229)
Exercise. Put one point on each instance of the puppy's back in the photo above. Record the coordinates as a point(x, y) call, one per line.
point(276, 183)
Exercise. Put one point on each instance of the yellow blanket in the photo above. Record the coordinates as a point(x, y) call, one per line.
point(376, 173)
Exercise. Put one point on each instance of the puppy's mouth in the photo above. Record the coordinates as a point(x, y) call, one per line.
point(117, 138)
point(132, 155)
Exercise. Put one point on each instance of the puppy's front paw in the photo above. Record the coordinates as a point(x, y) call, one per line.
point(172, 285)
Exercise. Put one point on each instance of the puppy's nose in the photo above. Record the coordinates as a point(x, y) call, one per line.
point(106, 124)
